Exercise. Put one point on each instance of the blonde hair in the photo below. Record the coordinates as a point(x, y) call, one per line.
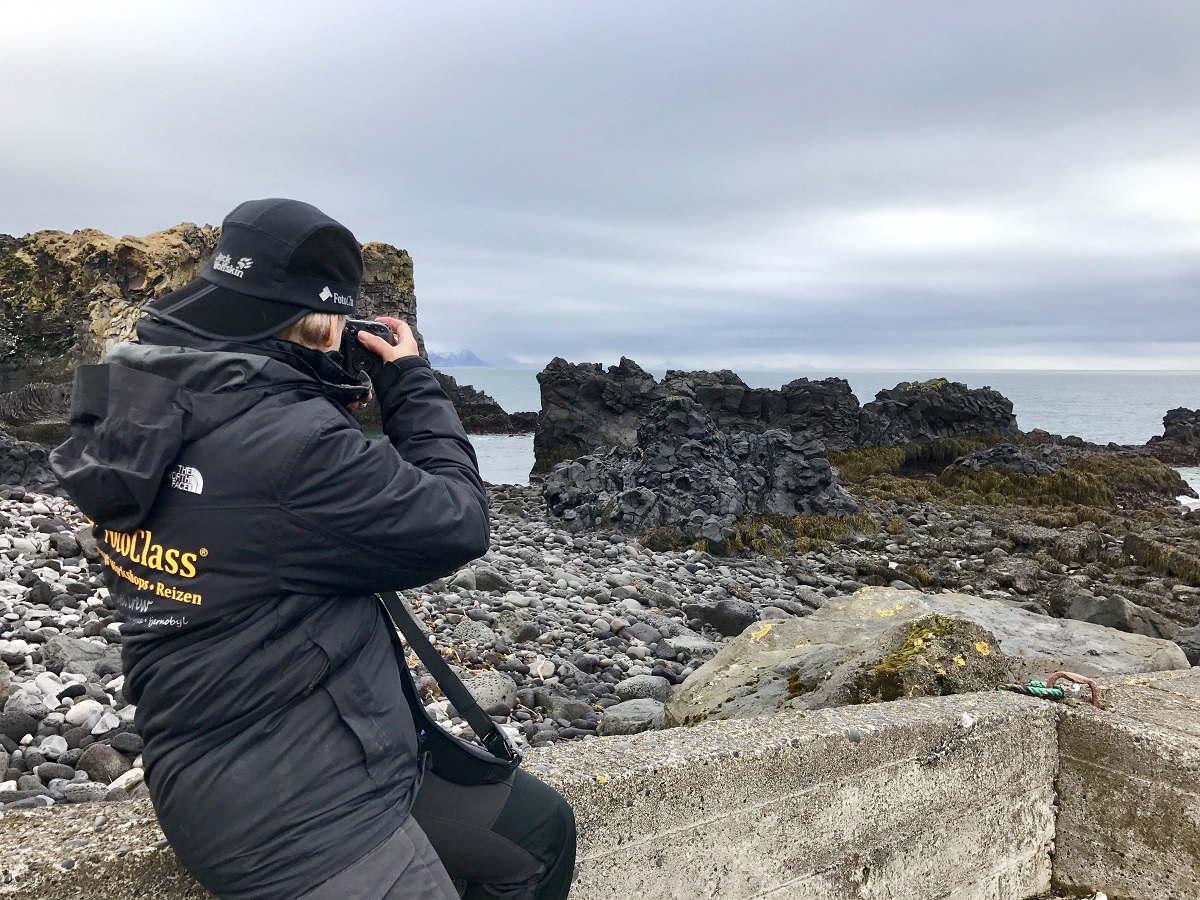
point(312, 330)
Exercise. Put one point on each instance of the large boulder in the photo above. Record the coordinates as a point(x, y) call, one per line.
point(924, 411)
point(1115, 611)
point(691, 478)
point(885, 644)
point(81, 656)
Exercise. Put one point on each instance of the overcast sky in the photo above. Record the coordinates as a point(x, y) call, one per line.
point(859, 184)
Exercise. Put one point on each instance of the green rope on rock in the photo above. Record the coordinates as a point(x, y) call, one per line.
point(1033, 689)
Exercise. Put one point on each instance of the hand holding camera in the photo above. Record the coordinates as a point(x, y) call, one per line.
point(365, 342)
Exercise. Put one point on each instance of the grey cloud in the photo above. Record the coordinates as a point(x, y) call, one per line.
point(676, 180)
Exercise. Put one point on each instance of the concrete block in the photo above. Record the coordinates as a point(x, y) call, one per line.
point(1129, 787)
point(916, 800)
point(921, 799)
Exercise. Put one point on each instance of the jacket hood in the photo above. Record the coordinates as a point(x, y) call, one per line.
point(131, 416)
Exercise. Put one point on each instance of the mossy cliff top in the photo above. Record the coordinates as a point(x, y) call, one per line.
point(65, 299)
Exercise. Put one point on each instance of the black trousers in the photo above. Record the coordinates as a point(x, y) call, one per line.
point(514, 840)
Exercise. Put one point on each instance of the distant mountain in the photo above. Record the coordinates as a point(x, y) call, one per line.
point(456, 358)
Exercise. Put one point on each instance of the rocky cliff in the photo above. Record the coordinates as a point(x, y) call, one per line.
point(66, 298)
point(585, 408)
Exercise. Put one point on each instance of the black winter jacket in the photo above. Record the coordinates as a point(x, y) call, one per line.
point(245, 523)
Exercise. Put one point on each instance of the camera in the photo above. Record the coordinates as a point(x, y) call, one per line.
point(355, 357)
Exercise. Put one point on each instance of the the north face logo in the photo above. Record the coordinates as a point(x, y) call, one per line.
point(185, 478)
point(340, 299)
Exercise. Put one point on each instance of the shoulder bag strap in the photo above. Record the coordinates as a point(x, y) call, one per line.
point(495, 740)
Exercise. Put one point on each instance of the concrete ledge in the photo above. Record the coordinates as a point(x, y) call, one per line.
point(919, 799)
point(63, 853)
point(1129, 784)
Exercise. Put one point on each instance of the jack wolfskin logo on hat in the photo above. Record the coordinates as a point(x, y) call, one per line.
point(223, 262)
point(341, 299)
point(299, 260)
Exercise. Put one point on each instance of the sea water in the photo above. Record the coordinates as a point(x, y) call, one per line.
point(1121, 407)
point(1192, 476)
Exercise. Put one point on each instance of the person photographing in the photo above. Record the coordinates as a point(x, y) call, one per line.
point(246, 524)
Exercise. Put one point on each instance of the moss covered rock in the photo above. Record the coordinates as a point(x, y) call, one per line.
point(886, 644)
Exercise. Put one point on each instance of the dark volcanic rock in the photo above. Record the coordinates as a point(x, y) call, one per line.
point(730, 617)
point(1117, 612)
point(37, 412)
point(919, 412)
point(1179, 444)
point(1009, 456)
point(825, 409)
point(1189, 641)
point(585, 409)
point(692, 479)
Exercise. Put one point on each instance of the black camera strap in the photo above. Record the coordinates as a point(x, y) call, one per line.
point(495, 740)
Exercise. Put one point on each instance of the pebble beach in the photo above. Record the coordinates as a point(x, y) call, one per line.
point(560, 636)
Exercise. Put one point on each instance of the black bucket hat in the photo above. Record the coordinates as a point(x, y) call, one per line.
point(277, 260)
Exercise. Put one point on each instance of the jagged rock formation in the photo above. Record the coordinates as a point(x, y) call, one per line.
point(388, 287)
point(585, 408)
point(481, 414)
point(1179, 444)
point(65, 299)
point(826, 408)
point(923, 411)
point(694, 480)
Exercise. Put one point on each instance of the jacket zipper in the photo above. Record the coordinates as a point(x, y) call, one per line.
point(316, 681)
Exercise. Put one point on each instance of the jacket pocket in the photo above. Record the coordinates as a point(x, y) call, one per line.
point(373, 708)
